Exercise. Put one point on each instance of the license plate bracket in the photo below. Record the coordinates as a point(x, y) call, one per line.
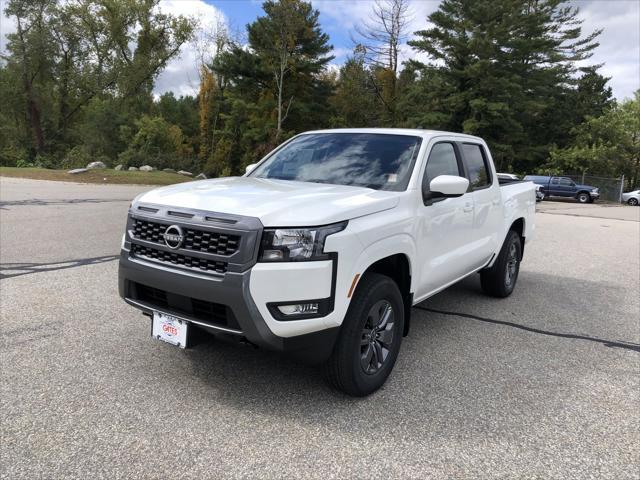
point(169, 329)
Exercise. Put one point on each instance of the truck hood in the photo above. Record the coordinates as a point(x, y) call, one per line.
point(280, 203)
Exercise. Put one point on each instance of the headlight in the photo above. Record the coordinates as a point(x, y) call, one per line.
point(296, 244)
point(595, 190)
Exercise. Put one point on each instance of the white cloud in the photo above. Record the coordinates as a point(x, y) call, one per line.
point(181, 74)
point(7, 25)
point(619, 48)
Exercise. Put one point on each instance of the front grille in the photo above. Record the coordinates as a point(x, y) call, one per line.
point(194, 239)
point(207, 312)
point(178, 259)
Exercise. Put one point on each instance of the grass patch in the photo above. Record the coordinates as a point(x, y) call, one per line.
point(104, 176)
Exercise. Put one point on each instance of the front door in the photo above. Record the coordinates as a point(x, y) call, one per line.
point(445, 225)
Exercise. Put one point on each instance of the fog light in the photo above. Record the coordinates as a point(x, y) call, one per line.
point(299, 309)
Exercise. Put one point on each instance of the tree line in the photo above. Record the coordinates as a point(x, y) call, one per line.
point(77, 78)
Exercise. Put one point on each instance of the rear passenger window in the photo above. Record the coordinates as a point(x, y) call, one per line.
point(476, 162)
point(442, 161)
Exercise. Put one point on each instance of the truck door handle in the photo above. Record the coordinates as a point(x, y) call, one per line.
point(468, 207)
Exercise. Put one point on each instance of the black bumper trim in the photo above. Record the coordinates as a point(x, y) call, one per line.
point(231, 290)
point(151, 308)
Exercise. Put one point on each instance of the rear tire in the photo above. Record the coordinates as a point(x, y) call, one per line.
point(500, 279)
point(370, 338)
point(633, 202)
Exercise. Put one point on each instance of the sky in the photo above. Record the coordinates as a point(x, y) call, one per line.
point(619, 50)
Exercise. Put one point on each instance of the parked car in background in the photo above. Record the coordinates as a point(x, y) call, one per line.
point(632, 198)
point(539, 193)
point(564, 187)
point(506, 178)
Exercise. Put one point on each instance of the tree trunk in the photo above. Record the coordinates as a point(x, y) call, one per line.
point(33, 111)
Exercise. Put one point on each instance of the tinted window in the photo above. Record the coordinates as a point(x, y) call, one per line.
point(382, 162)
point(536, 179)
point(442, 161)
point(566, 181)
point(555, 181)
point(478, 171)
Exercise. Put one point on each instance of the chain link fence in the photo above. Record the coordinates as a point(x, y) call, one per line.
point(610, 188)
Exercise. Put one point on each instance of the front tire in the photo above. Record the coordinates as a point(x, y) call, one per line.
point(370, 338)
point(633, 202)
point(584, 197)
point(500, 279)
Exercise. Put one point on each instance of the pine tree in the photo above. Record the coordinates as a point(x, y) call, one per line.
point(501, 66)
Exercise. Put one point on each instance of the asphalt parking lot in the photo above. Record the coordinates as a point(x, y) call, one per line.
point(543, 384)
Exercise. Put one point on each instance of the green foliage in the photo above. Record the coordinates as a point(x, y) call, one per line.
point(77, 80)
point(354, 82)
point(66, 54)
point(252, 99)
point(505, 70)
point(608, 145)
point(77, 157)
point(159, 144)
point(11, 155)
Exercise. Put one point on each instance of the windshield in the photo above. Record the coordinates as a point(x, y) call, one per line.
point(379, 161)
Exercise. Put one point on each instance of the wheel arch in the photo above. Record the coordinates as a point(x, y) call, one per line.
point(579, 192)
point(398, 268)
point(518, 226)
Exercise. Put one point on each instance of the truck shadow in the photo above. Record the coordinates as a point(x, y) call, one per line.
point(545, 308)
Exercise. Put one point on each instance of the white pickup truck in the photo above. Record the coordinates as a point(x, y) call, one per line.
point(324, 246)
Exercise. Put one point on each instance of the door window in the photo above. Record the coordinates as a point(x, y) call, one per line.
point(476, 162)
point(442, 161)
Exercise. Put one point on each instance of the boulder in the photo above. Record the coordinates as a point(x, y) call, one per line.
point(185, 173)
point(146, 168)
point(133, 169)
point(77, 170)
point(118, 167)
point(169, 170)
point(201, 176)
point(94, 165)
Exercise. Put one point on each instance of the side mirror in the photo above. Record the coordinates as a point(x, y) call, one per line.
point(446, 186)
point(250, 167)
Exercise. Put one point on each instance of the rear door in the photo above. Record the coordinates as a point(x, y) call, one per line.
point(567, 187)
point(487, 201)
point(445, 225)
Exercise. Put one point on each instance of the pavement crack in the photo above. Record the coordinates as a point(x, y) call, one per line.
point(72, 201)
point(607, 343)
point(19, 269)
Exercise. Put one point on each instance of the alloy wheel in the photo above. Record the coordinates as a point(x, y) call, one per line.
point(512, 265)
point(377, 337)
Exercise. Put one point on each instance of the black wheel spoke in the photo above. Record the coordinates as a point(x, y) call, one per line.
point(379, 357)
point(386, 336)
point(387, 314)
point(365, 359)
point(377, 337)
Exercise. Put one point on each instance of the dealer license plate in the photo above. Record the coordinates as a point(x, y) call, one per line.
point(169, 329)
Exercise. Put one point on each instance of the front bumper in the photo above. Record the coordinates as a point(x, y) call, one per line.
point(229, 308)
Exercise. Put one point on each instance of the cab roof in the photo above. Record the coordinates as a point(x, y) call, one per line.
point(418, 132)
